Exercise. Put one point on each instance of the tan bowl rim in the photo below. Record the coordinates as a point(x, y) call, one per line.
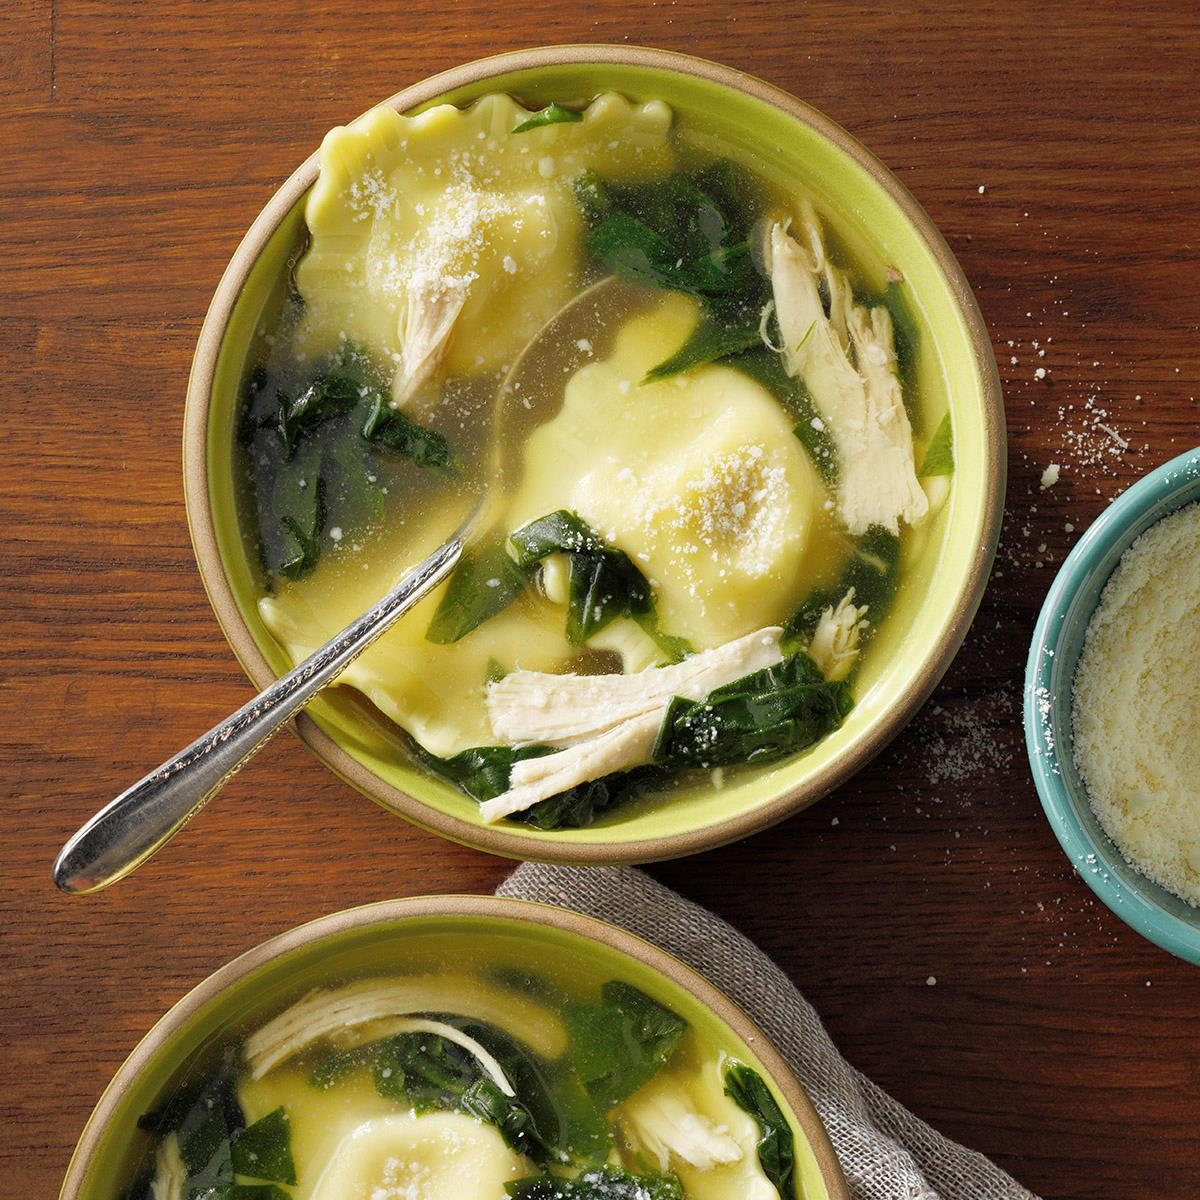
point(502, 840)
point(388, 911)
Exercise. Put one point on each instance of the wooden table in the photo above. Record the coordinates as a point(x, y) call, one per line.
point(1057, 147)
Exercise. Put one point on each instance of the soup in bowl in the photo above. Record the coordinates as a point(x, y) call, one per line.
point(454, 1047)
point(719, 389)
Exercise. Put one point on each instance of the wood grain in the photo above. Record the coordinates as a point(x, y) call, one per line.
point(1058, 148)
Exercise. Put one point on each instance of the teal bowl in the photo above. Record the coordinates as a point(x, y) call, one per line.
point(1154, 912)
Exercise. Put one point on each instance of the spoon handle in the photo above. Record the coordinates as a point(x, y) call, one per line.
point(134, 826)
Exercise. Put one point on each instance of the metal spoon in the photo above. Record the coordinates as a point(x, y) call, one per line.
point(140, 821)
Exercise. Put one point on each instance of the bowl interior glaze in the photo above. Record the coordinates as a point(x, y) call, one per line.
point(1054, 653)
point(880, 223)
point(380, 936)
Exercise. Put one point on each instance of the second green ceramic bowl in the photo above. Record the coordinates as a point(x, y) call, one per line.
point(870, 212)
point(390, 936)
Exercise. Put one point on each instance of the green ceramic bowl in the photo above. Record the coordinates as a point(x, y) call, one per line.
point(1058, 637)
point(378, 936)
point(880, 223)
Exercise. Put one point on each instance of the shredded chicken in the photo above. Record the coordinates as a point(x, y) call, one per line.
point(664, 1125)
point(535, 779)
point(426, 323)
point(170, 1174)
point(604, 723)
point(385, 1007)
point(834, 645)
point(532, 707)
point(847, 360)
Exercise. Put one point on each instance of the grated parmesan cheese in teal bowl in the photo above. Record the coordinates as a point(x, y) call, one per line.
point(1058, 639)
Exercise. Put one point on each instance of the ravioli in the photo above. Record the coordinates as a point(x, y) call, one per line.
point(697, 478)
point(449, 214)
point(436, 1156)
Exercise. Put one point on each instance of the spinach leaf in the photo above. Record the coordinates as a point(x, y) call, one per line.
point(264, 1150)
point(906, 339)
point(565, 1122)
point(673, 649)
point(621, 1042)
point(313, 444)
point(298, 502)
point(483, 584)
point(483, 771)
point(552, 114)
point(389, 427)
point(424, 1070)
point(757, 719)
point(776, 1144)
point(873, 571)
point(604, 1183)
point(939, 455)
point(326, 397)
point(712, 339)
point(579, 806)
point(603, 583)
point(205, 1118)
point(430, 1072)
point(682, 233)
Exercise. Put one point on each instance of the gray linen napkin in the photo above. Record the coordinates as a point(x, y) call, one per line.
point(886, 1152)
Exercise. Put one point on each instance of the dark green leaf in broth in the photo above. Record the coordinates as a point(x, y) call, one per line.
point(603, 583)
point(675, 235)
point(906, 340)
point(621, 1042)
point(939, 455)
point(326, 397)
point(483, 771)
point(204, 1117)
point(427, 1071)
point(564, 1122)
point(259, 407)
point(776, 1143)
point(424, 1070)
point(298, 504)
point(552, 114)
point(389, 427)
point(484, 1101)
point(581, 805)
point(602, 1183)
point(603, 587)
point(351, 490)
point(872, 570)
point(712, 339)
point(760, 718)
point(264, 1150)
point(560, 532)
point(485, 583)
point(494, 671)
point(633, 251)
